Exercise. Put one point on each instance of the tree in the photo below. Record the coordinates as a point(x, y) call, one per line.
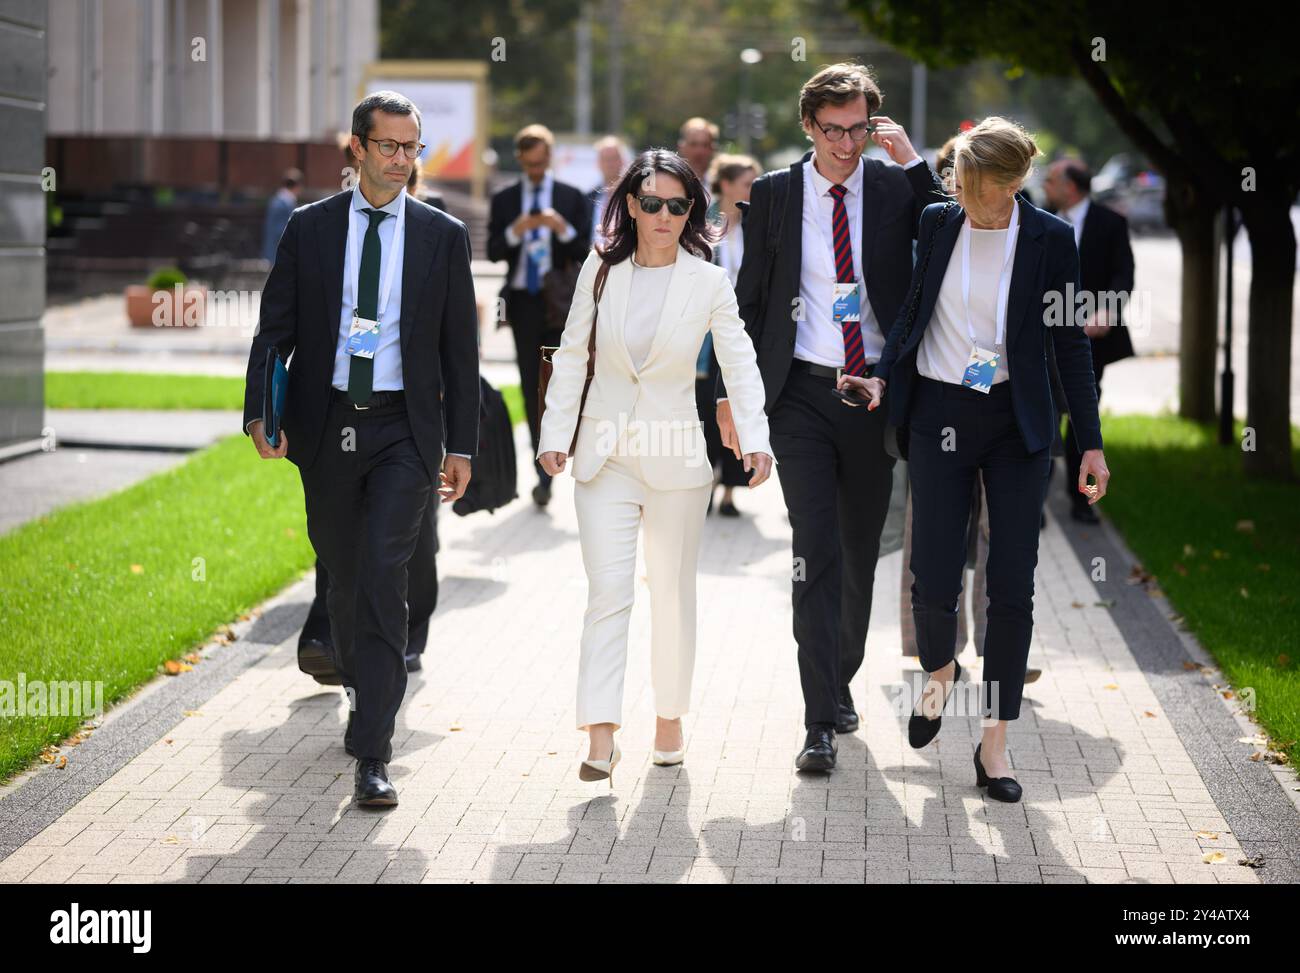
point(1211, 101)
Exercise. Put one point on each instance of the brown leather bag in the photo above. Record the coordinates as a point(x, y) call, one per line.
point(547, 365)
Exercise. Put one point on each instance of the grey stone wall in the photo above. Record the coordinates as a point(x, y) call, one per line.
point(22, 218)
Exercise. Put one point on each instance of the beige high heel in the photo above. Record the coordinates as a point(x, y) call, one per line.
point(670, 758)
point(590, 770)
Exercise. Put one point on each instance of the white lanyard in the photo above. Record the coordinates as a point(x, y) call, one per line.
point(354, 257)
point(1001, 313)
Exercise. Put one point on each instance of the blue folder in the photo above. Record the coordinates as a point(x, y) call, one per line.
point(276, 380)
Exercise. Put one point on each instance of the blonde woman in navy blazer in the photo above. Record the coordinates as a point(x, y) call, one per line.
point(995, 259)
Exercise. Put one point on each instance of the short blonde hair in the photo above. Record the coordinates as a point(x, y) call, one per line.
point(997, 149)
point(532, 135)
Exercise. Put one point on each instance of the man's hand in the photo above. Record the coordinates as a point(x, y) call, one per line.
point(454, 478)
point(552, 463)
point(727, 427)
point(265, 449)
point(761, 466)
point(1093, 462)
point(524, 223)
point(891, 137)
point(1099, 325)
point(549, 217)
point(872, 390)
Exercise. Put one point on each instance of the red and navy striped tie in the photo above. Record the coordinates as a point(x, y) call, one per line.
point(855, 359)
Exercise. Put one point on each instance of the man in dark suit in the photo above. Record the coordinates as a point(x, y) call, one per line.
point(844, 220)
point(277, 212)
point(371, 294)
point(536, 224)
point(1106, 272)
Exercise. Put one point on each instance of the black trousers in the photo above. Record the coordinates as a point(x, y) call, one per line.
point(732, 470)
point(527, 316)
point(365, 506)
point(421, 593)
point(1073, 458)
point(836, 478)
point(956, 433)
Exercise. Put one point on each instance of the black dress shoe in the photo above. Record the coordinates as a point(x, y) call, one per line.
point(373, 788)
point(1084, 514)
point(728, 509)
point(847, 721)
point(316, 658)
point(921, 729)
point(819, 749)
point(542, 494)
point(1000, 788)
point(413, 662)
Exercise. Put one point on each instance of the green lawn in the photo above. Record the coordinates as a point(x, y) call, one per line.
point(147, 390)
point(1226, 550)
point(110, 589)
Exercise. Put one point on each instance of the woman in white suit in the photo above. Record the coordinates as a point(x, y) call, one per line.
point(640, 455)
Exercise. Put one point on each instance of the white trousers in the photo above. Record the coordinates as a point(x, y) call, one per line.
point(611, 507)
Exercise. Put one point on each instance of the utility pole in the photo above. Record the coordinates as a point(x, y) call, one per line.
point(614, 19)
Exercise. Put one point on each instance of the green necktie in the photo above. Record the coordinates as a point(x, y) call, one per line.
point(361, 372)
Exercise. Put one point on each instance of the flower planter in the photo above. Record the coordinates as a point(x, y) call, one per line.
point(181, 306)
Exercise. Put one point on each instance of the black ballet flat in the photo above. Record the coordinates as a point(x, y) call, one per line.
point(921, 729)
point(1005, 789)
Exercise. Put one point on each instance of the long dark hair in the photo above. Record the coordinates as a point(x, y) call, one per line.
point(618, 226)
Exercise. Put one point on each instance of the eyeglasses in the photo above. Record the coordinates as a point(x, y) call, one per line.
point(858, 132)
point(388, 147)
point(678, 205)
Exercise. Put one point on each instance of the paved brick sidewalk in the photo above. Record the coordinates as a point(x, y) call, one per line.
point(254, 785)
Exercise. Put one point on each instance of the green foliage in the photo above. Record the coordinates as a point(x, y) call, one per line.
point(165, 278)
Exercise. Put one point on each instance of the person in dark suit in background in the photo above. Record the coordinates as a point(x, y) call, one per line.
point(1106, 271)
point(965, 369)
point(283, 203)
point(847, 221)
point(535, 224)
point(612, 158)
point(372, 296)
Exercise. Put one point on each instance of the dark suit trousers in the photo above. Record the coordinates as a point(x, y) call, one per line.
point(421, 595)
point(364, 511)
point(527, 316)
point(955, 433)
point(1073, 458)
point(836, 478)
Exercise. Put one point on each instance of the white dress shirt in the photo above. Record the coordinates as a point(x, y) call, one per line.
point(541, 196)
point(1076, 214)
point(946, 348)
point(388, 356)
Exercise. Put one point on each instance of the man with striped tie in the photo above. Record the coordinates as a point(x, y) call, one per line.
point(841, 228)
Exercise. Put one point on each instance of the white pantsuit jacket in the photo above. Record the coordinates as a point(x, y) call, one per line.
point(699, 299)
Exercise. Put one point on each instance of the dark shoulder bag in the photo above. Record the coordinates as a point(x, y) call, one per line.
point(896, 437)
point(547, 364)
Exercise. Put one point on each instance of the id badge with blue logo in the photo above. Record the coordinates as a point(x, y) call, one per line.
point(845, 302)
point(363, 340)
point(981, 369)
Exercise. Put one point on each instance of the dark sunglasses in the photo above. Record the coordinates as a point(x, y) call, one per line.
point(678, 205)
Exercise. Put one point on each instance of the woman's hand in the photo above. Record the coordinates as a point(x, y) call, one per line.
point(1094, 462)
point(871, 389)
point(552, 463)
point(761, 466)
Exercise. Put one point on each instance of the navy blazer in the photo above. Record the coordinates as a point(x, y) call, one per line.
point(301, 304)
point(1046, 260)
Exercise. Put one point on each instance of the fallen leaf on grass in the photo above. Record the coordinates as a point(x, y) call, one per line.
point(194, 658)
point(137, 569)
point(174, 668)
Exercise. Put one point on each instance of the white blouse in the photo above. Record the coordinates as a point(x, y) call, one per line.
point(945, 349)
point(644, 303)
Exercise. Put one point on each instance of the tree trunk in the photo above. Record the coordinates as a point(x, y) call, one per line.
point(1192, 218)
point(1268, 355)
